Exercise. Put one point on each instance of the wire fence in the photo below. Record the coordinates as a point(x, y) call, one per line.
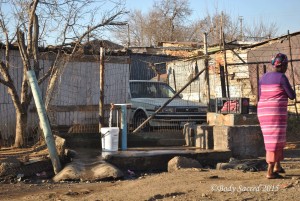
point(74, 106)
point(260, 57)
point(73, 103)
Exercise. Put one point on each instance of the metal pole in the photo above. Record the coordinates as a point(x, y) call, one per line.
point(168, 101)
point(174, 79)
point(256, 62)
point(44, 122)
point(124, 108)
point(124, 126)
point(101, 100)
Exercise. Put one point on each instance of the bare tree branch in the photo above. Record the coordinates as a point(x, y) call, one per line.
point(5, 31)
point(4, 82)
point(32, 17)
point(35, 48)
point(109, 21)
point(22, 49)
point(11, 88)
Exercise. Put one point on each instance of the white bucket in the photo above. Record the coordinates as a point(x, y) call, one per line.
point(110, 138)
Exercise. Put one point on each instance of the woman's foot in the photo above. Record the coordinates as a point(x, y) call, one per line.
point(277, 168)
point(280, 170)
point(274, 176)
point(270, 173)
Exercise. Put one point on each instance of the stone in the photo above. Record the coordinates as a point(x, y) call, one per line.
point(104, 171)
point(8, 165)
point(180, 162)
point(85, 171)
point(71, 172)
point(60, 144)
point(242, 141)
point(188, 134)
point(204, 137)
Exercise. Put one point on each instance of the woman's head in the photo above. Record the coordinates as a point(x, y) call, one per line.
point(280, 62)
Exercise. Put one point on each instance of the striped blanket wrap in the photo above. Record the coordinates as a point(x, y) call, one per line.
point(272, 116)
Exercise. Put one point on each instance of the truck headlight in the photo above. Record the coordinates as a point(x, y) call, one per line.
point(166, 109)
point(202, 109)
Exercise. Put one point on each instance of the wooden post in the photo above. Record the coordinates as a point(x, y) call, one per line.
point(128, 35)
point(225, 65)
point(207, 70)
point(257, 83)
point(101, 100)
point(222, 79)
point(292, 68)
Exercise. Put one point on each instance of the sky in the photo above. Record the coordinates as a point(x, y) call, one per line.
point(286, 14)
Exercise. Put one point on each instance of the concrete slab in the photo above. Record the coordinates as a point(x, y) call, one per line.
point(156, 159)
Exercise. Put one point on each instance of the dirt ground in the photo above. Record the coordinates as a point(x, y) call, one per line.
point(188, 184)
point(184, 184)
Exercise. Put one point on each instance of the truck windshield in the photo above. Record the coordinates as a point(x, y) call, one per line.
point(151, 90)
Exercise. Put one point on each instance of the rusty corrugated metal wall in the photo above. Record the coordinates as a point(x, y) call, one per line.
point(141, 68)
point(181, 72)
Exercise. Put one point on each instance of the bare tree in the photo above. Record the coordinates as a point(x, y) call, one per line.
point(134, 33)
point(37, 21)
point(261, 30)
point(175, 12)
point(168, 20)
point(162, 23)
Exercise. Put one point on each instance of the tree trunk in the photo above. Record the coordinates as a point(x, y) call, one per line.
point(21, 125)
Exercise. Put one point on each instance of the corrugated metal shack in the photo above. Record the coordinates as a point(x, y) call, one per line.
point(75, 103)
point(7, 110)
point(183, 70)
point(148, 62)
point(248, 63)
point(244, 63)
point(145, 66)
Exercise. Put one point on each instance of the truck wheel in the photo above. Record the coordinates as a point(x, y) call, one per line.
point(138, 119)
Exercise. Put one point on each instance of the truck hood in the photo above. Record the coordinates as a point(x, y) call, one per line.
point(160, 101)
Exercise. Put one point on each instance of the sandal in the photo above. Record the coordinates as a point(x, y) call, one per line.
point(281, 170)
point(275, 175)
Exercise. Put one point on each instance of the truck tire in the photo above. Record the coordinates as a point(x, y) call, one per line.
point(138, 119)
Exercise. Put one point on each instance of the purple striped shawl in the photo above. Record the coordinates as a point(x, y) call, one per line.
point(272, 116)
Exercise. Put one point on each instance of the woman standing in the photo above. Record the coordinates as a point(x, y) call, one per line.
point(274, 91)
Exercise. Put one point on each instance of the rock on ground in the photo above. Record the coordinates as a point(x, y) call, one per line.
point(180, 162)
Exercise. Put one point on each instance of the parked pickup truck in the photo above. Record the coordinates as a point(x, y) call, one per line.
point(147, 96)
